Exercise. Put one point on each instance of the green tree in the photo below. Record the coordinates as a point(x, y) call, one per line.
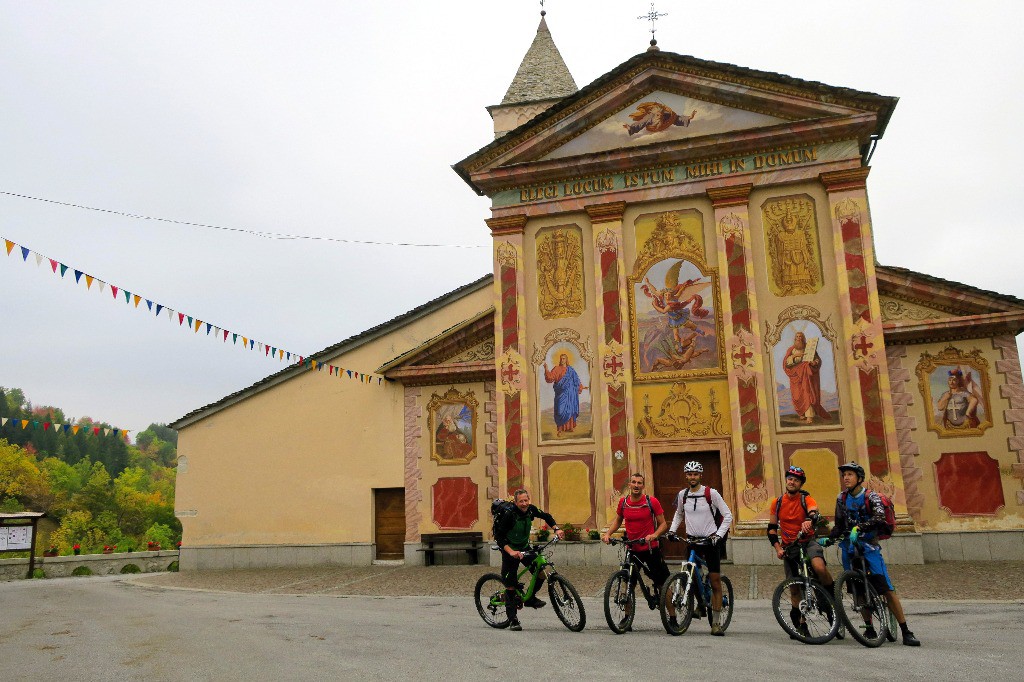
point(21, 479)
point(97, 495)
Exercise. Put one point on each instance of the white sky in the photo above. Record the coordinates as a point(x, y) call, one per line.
point(340, 119)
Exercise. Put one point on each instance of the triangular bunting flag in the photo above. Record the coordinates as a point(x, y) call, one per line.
point(170, 315)
point(10, 246)
point(3, 421)
point(128, 297)
point(190, 320)
point(24, 253)
point(24, 423)
point(245, 341)
point(208, 328)
point(234, 339)
point(88, 281)
point(35, 424)
point(53, 265)
point(266, 352)
point(349, 372)
point(312, 364)
point(95, 430)
point(46, 426)
point(116, 431)
point(113, 291)
point(138, 299)
point(261, 345)
point(63, 269)
point(78, 276)
point(181, 319)
point(103, 285)
point(106, 432)
point(74, 429)
point(226, 332)
point(158, 307)
point(39, 259)
point(289, 354)
point(199, 323)
point(67, 427)
point(379, 379)
point(252, 344)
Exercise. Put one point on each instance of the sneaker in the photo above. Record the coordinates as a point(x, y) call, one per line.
point(534, 603)
point(910, 640)
point(673, 622)
point(869, 633)
point(717, 631)
point(514, 625)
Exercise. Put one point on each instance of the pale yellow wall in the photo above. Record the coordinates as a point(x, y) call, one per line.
point(296, 463)
point(431, 470)
point(993, 441)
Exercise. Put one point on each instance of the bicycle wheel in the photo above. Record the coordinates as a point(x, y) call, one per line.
point(861, 608)
point(816, 607)
point(567, 603)
point(891, 626)
point(619, 602)
point(727, 602)
point(676, 592)
point(490, 600)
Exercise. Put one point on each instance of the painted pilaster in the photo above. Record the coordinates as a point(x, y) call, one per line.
point(510, 337)
point(614, 363)
point(744, 356)
point(867, 369)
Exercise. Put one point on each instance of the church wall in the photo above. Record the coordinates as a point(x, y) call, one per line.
point(964, 471)
point(290, 470)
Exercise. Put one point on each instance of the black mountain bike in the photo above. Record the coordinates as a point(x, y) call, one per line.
point(803, 607)
point(490, 592)
point(689, 592)
point(864, 611)
point(620, 590)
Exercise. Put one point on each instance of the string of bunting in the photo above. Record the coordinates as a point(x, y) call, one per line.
point(193, 323)
point(66, 428)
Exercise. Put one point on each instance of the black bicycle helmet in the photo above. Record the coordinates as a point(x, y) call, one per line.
point(855, 468)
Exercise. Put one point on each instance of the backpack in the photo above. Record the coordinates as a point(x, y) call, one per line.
point(499, 510)
point(890, 513)
point(715, 514)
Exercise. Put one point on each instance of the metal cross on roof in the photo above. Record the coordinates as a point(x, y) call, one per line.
point(652, 16)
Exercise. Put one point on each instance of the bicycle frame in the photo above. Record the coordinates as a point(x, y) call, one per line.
point(636, 568)
point(540, 564)
point(692, 566)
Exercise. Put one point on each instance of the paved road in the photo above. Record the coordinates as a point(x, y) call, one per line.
point(99, 628)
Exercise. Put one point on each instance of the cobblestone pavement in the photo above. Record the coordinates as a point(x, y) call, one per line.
point(1000, 580)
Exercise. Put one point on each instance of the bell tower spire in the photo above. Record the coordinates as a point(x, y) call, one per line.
point(541, 81)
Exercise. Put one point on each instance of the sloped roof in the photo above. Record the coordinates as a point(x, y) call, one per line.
point(345, 346)
point(542, 74)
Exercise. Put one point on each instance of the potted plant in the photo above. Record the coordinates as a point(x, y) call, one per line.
point(572, 533)
point(77, 549)
point(593, 534)
point(543, 534)
point(109, 549)
point(153, 546)
point(53, 551)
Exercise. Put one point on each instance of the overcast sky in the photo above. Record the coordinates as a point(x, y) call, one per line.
point(341, 119)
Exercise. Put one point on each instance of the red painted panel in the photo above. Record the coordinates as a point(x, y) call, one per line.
point(969, 483)
point(455, 503)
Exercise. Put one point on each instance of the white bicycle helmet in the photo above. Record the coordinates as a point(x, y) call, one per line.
point(693, 466)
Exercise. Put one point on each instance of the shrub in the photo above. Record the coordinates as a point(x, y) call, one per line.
point(160, 534)
point(173, 567)
point(82, 570)
point(131, 568)
point(38, 573)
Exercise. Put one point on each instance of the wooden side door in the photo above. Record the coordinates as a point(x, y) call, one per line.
point(389, 522)
point(669, 479)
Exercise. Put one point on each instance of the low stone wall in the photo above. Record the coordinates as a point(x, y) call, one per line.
point(99, 564)
point(275, 556)
point(974, 545)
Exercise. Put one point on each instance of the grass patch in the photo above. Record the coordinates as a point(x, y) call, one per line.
point(82, 570)
point(173, 568)
point(38, 573)
point(131, 568)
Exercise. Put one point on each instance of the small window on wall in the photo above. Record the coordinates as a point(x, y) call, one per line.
point(969, 484)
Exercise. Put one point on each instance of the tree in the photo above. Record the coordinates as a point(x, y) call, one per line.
point(20, 477)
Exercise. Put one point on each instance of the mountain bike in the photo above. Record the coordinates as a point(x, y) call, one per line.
point(689, 591)
point(490, 594)
point(803, 607)
point(620, 590)
point(856, 596)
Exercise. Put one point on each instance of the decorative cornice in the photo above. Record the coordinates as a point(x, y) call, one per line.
point(427, 375)
point(839, 181)
point(723, 197)
point(953, 329)
point(512, 224)
point(606, 213)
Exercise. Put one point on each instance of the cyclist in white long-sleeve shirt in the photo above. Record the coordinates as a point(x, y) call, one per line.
point(698, 505)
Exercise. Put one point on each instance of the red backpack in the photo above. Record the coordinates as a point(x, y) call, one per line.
point(890, 513)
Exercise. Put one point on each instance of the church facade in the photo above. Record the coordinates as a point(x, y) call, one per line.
point(683, 269)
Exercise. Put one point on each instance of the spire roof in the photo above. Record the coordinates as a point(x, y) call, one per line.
point(543, 73)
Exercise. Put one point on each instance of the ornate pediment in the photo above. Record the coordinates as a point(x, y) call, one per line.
point(894, 309)
point(661, 105)
point(464, 352)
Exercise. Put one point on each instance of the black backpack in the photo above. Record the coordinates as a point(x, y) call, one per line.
point(499, 510)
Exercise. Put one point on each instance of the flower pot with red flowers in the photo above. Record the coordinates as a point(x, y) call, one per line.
point(572, 533)
point(153, 546)
point(109, 549)
point(77, 549)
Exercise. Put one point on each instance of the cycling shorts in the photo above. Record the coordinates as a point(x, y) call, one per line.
point(711, 555)
point(656, 563)
point(812, 550)
point(876, 566)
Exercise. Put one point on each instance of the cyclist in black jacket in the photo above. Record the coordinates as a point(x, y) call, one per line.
point(512, 535)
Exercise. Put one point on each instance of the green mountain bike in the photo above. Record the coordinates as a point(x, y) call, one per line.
point(490, 594)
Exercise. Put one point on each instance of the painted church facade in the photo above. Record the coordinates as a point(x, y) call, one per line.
point(683, 269)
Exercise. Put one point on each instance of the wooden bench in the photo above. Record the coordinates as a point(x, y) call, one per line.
point(469, 542)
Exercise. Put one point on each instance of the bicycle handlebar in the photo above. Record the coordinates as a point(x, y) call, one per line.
point(637, 541)
point(691, 539)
